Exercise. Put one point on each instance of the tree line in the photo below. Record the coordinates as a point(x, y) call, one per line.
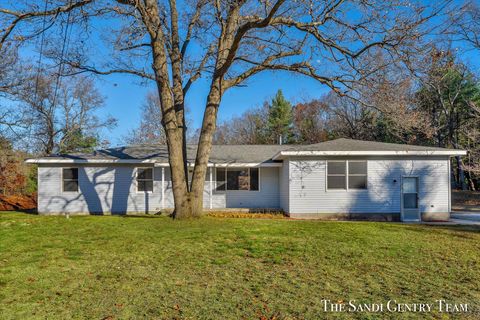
point(40, 116)
point(440, 108)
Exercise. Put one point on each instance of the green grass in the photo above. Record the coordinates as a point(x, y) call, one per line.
point(213, 268)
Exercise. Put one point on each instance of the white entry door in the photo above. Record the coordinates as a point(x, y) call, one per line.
point(410, 209)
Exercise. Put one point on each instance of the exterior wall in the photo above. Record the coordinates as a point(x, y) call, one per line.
point(299, 188)
point(267, 197)
point(101, 190)
point(284, 186)
point(310, 199)
point(112, 189)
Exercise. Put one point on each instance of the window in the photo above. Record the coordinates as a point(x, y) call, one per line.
point(238, 179)
point(336, 178)
point(357, 174)
point(410, 193)
point(145, 179)
point(70, 179)
point(343, 175)
point(246, 179)
point(221, 181)
point(254, 185)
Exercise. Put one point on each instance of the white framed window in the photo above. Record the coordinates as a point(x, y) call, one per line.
point(357, 174)
point(144, 179)
point(347, 174)
point(70, 179)
point(337, 175)
point(237, 179)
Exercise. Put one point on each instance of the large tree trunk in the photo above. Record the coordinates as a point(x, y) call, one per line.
point(225, 56)
point(181, 196)
point(205, 146)
point(176, 143)
point(172, 105)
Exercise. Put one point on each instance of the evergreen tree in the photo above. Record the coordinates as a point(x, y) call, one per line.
point(280, 120)
point(77, 141)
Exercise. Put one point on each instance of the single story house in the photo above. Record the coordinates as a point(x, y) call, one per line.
point(341, 178)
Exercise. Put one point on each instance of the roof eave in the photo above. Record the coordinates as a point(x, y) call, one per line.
point(93, 161)
point(284, 154)
point(147, 161)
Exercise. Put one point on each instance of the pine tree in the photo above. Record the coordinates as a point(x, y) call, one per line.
point(280, 120)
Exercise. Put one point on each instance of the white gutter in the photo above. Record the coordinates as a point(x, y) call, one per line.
point(148, 161)
point(64, 160)
point(231, 164)
point(246, 164)
point(282, 154)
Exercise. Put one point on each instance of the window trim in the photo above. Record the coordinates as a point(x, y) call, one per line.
point(357, 175)
point(336, 175)
point(401, 194)
point(62, 180)
point(136, 179)
point(226, 179)
point(346, 189)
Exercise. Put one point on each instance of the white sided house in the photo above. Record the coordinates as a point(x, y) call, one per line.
point(341, 178)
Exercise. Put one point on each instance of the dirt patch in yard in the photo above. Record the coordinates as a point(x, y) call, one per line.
point(18, 202)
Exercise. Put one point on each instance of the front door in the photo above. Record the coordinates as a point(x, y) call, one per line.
point(410, 210)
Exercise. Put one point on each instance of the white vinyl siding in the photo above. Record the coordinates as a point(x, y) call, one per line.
point(100, 190)
point(113, 190)
point(299, 188)
point(309, 196)
point(284, 186)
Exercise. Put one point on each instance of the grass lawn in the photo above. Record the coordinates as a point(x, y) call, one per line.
point(219, 268)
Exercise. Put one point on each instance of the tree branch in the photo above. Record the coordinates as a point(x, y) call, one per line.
point(191, 25)
point(200, 68)
point(83, 69)
point(21, 16)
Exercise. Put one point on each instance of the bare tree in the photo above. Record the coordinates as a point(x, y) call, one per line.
point(12, 76)
point(450, 95)
point(466, 23)
point(385, 110)
point(150, 129)
point(234, 40)
point(310, 121)
point(61, 117)
point(248, 128)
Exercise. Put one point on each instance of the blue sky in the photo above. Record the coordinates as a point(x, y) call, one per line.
point(124, 95)
point(124, 98)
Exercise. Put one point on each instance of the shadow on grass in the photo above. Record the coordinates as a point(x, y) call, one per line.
point(456, 227)
point(140, 216)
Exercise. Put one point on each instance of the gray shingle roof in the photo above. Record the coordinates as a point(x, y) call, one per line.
point(237, 153)
point(159, 153)
point(343, 144)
